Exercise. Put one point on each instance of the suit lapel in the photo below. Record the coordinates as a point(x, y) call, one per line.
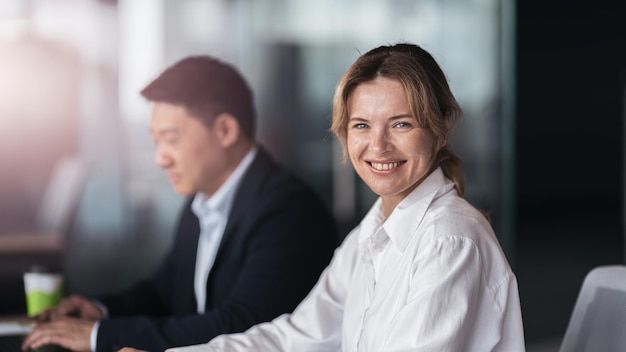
point(255, 178)
point(189, 232)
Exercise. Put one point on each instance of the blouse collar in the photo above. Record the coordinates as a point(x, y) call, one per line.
point(409, 212)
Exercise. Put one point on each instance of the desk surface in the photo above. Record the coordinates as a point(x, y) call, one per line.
point(15, 324)
point(26, 242)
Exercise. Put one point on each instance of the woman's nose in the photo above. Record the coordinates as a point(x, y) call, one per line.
point(380, 141)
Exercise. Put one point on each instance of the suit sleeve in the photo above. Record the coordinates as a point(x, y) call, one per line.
point(290, 240)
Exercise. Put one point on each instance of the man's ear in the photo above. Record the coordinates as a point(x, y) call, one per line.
point(227, 129)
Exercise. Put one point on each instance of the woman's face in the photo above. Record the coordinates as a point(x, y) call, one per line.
point(389, 151)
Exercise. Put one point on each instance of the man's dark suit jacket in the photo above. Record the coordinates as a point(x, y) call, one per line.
point(278, 239)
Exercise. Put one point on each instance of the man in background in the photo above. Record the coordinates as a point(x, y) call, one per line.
point(251, 240)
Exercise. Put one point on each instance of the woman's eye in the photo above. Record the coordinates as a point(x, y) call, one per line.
point(402, 124)
point(360, 126)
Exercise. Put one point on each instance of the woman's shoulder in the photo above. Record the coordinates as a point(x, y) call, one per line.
point(455, 211)
point(457, 218)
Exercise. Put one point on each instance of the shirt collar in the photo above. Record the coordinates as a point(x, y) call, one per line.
point(410, 211)
point(222, 199)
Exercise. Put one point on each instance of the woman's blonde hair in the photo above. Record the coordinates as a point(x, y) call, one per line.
point(430, 100)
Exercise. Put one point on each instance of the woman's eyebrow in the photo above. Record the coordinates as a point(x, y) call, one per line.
point(400, 117)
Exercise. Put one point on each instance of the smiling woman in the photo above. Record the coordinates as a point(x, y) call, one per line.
point(387, 147)
point(423, 271)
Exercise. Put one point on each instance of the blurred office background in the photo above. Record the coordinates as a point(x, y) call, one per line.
point(541, 84)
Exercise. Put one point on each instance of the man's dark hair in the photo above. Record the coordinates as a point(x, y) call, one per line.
point(206, 87)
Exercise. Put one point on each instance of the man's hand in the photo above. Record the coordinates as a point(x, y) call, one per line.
point(71, 333)
point(72, 306)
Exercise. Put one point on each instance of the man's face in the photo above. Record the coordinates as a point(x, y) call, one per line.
point(188, 150)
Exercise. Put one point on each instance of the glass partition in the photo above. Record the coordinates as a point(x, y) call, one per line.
point(292, 52)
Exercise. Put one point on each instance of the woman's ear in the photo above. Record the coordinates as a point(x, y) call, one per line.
point(227, 129)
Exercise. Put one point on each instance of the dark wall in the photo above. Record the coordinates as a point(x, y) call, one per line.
point(571, 74)
point(571, 68)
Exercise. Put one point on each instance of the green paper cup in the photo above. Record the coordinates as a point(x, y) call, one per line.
point(43, 291)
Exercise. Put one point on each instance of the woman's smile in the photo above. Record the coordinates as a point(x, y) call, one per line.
point(385, 166)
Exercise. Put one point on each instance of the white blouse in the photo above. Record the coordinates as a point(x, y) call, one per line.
point(432, 277)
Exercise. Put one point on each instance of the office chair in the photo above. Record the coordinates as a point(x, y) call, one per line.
point(598, 322)
point(54, 213)
point(60, 202)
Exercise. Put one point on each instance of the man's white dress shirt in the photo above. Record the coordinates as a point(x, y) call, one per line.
point(213, 212)
point(431, 277)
